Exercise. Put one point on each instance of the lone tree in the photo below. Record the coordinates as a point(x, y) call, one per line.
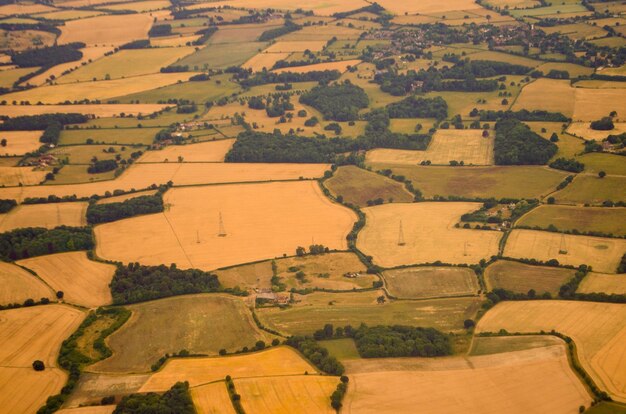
point(601, 174)
point(554, 137)
point(60, 294)
point(38, 365)
point(3, 142)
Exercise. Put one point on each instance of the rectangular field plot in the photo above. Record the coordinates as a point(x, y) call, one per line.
point(431, 282)
point(603, 254)
point(44, 215)
point(110, 30)
point(547, 94)
point(535, 381)
point(489, 345)
point(520, 278)
point(584, 219)
point(212, 151)
point(259, 221)
point(402, 234)
point(598, 282)
point(124, 136)
point(598, 330)
point(20, 142)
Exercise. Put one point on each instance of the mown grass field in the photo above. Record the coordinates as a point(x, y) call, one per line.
point(431, 282)
point(520, 278)
point(583, 219)
point(343, 348)
point(83, 154)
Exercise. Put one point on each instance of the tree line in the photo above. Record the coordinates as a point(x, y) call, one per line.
point(40, 122)
point(521, 115)
point(176, 400)
point(7, 205)
point(418, 107)
point(108, 212)
point(48, 56)
point(317, 354)
point(517, 144)
point(262, 78)
point(288, 27)
point(37, 241)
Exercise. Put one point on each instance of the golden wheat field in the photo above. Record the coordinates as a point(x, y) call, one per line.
point(431, 282)
point(533, 381)
point(19, 285)
point(598, 329)
point(427, 6)
point(599, 282)
point(24, 390)
point(96, 409)
point(17, 176)
point(106, 30)
point(320, 7)
point(20, 142)
point(424, 228)
point(603, 254)
point(212, 151)
point(98, 110)
point(83, 281)
point(212, 398)
point(259, 221)
point(264, 60)
point(44, 215)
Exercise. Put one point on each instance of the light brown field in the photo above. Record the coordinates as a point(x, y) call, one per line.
point(83, 281)
point(143, 175)
point(427, 227)
point(141, 6)
point(90, 109)
point(592, 104)
point(323, 8)
point(24, 390)
point(25, 9)
point(89, 53)
point(271, 362)
point(600, 84)
point(14, 176)
point(466, 145)
point(341, 66)
point(36, 332)
point(306, 394)
point(431, 282)
point(573, 69)
point(603, 254)
point(426, 6)
point(212, 398)
point(99, 90)
point(19, 285)
point(44, 215)
point(109, 30)
point(254, 275)
point(599, 282)
point(96, 409)
point(173, 41)
point(588, 188)
point(264, 60)
point(20, 142)
point(598, 329)
point(290, 47)
point(532, 381)
point(520, 278)
point(583, 130)
point(212, 151)
point(261, 221)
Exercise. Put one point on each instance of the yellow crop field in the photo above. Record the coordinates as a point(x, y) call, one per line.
point(253, 275)
point(467, 145)
point(14, 176)
point(431, 282)
point(341, 66)
point(296, 46)
point(20, 142)
point(106, 30)
point(127, 63)
point(532, 381)
point(212, 398)
point(24, 390)
point(31, 8)
point(173, 41)
point(99, 110)
point(98, 90)
point(583, 130)
point(211, 151)
point(400, 234)
point(603, 254)
point(259, 221)
point(547, 94)
point(44, 215)
point(598, 329)
point(306, 394)
point(592, 103)
point(271, 362)
point(19, 285)
point(599, 282)
point(96, 409)
point(583, 219)
point(426, 6)
point(320, 7)
point(83, 282)
point(264, 60)
point(89, 53)
point(141, 6)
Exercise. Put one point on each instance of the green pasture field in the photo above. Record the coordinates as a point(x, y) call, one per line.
point(344, 348)
point(122, 136)
point(593, 190)
point(75, 174)
point(83, 154)
point(520, 278)
point(219, 56)
point(609, 163)
point(583, 219)
point(407, 125)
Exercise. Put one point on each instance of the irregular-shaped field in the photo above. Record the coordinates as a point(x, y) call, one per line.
point(431, 282)
point(401, 234)
point(520, 278)
point(603, 254)
point(598, 329)
point(83, 282)
point(19, 285)
point(535, 381)
point(584, 219)
point(259, 221)
point(44, 215)
point(212, 151)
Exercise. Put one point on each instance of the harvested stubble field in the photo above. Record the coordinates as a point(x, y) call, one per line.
point(483, 182)
point(324, 271)
point(305, 394)
point(427, 6)
point(341, 66)
point(426, 227)
point(260, 221)
point(489, 345)
point(312, 311)
point(603, 254)
point(19, 285)
point(110, 30)
point(431, 282)
point(127, 63)
point(18, 176)
point(99, 110)
point(584, 219)
point(212, 398)
point(520, 278)
point(320, 7)
point(20, 142)
point(593, 190)
point(211, 151)
point(92, 387)
point(242, 33)
point(9, 76)
point(598, 329)
point(99, 90)
point(140, 176)
point(44, 215)
point(254, 275)
point(358, 186)
point(141, 6)
point(599, 282)
point(24, 390)
point(84, 282)
point(174, 41)
point(264, 60)
point(123, 136)
point(446, 145)
point(31, 8)
point(278, 361)
point(201, 324)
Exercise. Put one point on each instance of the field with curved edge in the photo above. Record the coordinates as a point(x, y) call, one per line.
point(19, 285)
point(431, 282)
point(520, 278)
point(44, 215)
point(584, 219)
point(403, 234)
point(598, 329)
point(260, 221)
